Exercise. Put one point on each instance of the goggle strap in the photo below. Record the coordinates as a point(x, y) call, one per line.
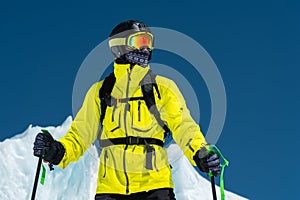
point(117, 42)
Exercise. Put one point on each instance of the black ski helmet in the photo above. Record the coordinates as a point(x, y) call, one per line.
point(123, 30)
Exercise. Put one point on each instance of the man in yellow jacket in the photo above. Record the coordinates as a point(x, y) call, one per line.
point(131, 112)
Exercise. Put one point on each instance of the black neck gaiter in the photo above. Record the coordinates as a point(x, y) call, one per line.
point(140, 57)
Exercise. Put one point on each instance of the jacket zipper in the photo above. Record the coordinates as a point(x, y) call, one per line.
point(113, 114)
point(154, 152)
point(139, 111)
point(125, 127)
point(105, 157)
point(126, 175)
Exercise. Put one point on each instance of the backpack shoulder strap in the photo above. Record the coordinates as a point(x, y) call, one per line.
point(105, 92)
point(147, 85)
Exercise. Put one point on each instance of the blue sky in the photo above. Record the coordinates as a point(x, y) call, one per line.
point(254, 44)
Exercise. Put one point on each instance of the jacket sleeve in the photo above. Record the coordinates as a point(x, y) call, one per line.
point(84, 128)
point(185, 131)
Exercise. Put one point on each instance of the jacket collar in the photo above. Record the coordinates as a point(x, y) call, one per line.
point(126, 75)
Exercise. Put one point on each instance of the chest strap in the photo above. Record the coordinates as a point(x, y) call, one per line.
point(131, 141)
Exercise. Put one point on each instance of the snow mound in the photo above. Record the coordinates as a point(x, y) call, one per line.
point(78, 180)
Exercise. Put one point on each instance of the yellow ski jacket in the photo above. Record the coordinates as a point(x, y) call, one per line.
point(122, 168)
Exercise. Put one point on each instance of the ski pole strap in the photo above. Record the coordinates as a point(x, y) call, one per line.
point(214, 149)
point(42, 181)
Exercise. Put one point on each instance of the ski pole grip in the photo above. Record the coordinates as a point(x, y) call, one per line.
point(214, 149)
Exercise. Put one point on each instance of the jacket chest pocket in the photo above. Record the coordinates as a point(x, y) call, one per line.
point(142, 119)
point(112, 118)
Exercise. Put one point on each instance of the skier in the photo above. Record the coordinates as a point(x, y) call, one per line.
point(131, 112)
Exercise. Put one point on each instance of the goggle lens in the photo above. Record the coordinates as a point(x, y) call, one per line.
point(141, 40)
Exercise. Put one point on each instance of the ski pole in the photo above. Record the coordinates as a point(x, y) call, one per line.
point(37, 174)
point(36, 178)
point(213, 187)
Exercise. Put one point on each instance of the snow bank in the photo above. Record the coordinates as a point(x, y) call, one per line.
point(78, 180)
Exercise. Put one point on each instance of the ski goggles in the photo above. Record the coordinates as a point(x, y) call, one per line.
point(136, 40)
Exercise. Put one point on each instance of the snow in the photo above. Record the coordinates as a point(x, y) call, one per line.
point(78, 180)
